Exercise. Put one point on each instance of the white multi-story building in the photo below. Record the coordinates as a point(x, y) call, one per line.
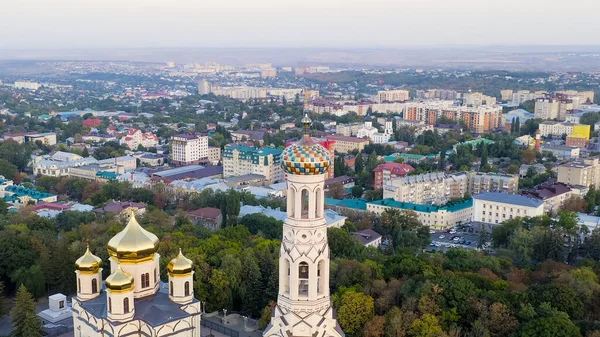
point(239, 160)
point(27, 85)
point(496, 207)
point(523, 96)
point(555, 129)
point(553, 107)
point(214, 155)
point(439, 217)
point(134, 300)
point(135, 138)
point(392, 96)
point(438, 188)
point(189, 149)
point(476, 99)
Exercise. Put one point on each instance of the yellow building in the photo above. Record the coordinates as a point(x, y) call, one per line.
point(581, 131)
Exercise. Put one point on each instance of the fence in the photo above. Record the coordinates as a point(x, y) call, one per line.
point(219, 328)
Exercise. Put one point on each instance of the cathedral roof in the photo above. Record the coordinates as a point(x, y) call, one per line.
point(305, 157)
point(133, 242)
point(180, 266)
point(154, 310)
point(119, 280)
point(88, 262)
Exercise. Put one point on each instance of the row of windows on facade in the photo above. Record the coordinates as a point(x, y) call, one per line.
point(145, 282)
point(503, 215)
point(503, 208)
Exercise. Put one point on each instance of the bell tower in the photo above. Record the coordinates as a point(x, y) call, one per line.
point(304, 304)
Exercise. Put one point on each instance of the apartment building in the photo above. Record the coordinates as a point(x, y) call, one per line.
point(553, 107)
point(392, 96)
point(477, 99)
point(439, 217)
point(439, 188)
point(585, 172)
point(442, 94)
point(553, 195)
point(27, 85)
point(348, 129)
point(189, 149)
point(522, 96)
point(485, 182)
point(386, 172)
point(555, 129)
point(344, 144)
point(506, 95)
point(480, 119)
point(579, 98)
point(239, 160)
point(429, 188)
point(497, 207)
point(136, 137)
point(214, 155)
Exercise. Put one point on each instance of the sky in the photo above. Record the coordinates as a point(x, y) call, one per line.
point(78, 24)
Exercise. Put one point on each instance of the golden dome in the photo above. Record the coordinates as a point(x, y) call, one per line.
point(180, 266)
point(133, 243)
point(119, 280)
point(88, 262)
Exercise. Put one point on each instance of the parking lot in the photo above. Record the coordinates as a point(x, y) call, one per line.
point(456, 238)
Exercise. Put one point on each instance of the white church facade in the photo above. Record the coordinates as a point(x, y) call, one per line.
point(371, 132)
point(133, 301)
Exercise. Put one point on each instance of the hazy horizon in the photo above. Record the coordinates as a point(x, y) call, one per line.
point(335, 24)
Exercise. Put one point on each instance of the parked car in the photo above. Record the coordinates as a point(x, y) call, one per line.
point(442, 236)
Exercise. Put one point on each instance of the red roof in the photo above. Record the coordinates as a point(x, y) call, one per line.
point(399, 169)
point(206, 212)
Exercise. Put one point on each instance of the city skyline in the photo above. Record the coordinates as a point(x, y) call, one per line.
point(69, 24)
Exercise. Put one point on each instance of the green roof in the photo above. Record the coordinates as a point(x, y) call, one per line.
point(106, 175)
point(475, 142)
point(360, 204)
point(253, 153)
point(20, 191)
point(451, 207)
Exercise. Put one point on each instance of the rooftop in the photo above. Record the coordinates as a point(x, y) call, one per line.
point(366, 236)
point(449, 207)
point(513, 199)
point(154, 310)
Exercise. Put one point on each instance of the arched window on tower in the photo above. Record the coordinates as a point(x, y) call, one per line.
point(94, 286)
point(303, 279)
point(319, 201)
point(109, 305)
point(286, 277)
point(143, 280)
point(304, 204)
point(291, 208)
point(171, 288)
point(320, 277)
point(79, 284)
point(187, 288)
point(147, 280)
point(126, 305)
point(155, 275)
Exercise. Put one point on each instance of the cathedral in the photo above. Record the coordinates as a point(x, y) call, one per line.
point(133, 301)
point(303, 304)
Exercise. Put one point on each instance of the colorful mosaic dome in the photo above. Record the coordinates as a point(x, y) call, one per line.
point(304, 158)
